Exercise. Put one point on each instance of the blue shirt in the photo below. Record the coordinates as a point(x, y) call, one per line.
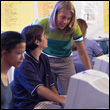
point(28, 77)
point(93, 49)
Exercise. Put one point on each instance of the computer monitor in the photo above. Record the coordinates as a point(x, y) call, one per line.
point(88, 90)
point(102, 64)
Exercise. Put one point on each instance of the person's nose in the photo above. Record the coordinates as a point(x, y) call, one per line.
point(65, 21)
point(22, 56)
point(46, 36)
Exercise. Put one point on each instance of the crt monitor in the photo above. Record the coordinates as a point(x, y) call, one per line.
point(102, 64)
point(88, 90)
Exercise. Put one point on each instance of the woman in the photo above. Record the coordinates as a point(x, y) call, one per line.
point(12, 54)
point(33, 82)
point(61, 27)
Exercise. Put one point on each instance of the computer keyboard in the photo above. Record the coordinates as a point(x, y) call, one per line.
point(47, 105)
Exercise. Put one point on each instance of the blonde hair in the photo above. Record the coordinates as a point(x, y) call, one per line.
point(62, 6)
point(83, 26)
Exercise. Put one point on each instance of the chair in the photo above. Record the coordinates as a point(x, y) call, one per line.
point(11, 104)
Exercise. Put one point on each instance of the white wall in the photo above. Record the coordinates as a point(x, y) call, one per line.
point(35, 10)
point(97, 29)
point(11, 74)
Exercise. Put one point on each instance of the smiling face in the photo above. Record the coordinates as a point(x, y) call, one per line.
point(15, 56)
point(63, 18)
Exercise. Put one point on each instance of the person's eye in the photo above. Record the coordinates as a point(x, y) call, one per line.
point(20, 53)
point(63, 17)
point(69, 19)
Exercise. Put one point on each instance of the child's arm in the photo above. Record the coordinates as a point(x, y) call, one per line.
point(49, 94)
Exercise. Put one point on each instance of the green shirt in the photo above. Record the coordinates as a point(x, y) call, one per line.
point(59, 45)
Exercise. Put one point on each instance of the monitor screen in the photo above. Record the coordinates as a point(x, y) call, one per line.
point(88, 90)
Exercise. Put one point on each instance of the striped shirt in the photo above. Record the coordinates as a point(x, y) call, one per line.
point(59, 45)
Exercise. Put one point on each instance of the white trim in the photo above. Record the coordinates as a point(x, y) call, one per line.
point(54, 56)
point(80, 39)
point(31, 58)
point(52, 84)
point(35, 89)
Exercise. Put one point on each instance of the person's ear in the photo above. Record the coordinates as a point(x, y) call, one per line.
point(4, 53)
point(37, 42)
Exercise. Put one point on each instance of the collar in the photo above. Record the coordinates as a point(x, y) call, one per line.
point(30, 56)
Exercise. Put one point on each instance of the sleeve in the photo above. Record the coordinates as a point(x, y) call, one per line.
point(77, 35)
point(41, 21)
point(35, 22)
point(38, 21)
point(97, 49)
point(30, 78)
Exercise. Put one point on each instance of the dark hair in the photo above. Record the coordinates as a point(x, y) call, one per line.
point(31, 34)
point(10, 39)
